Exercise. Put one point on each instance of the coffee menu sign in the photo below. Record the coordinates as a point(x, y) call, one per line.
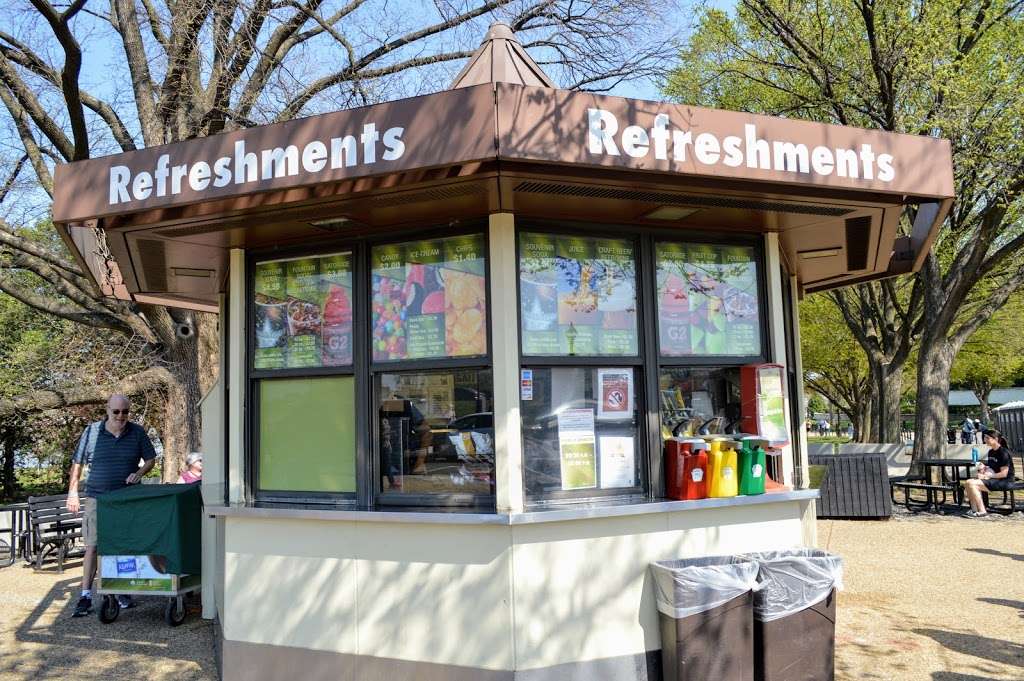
point(533, 124)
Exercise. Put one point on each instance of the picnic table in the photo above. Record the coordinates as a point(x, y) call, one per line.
point(20, 538)
point(936, 485)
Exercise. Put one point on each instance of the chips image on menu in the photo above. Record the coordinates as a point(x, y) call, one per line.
point(465, 332)
point(303, 318)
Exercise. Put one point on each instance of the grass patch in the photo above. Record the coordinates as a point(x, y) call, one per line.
point(829, 439)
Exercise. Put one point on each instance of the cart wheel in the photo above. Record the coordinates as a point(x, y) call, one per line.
point(109, 609)
point(174, 611)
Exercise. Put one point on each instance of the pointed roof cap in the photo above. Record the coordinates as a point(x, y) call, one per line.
point(501, 59)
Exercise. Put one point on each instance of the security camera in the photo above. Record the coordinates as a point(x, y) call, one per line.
point(184, 329)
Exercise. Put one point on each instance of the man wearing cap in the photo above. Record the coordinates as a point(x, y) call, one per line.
point(112, 448)
point(193, 469)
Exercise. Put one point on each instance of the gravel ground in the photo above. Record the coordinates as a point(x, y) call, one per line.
point(927, 598)
point(39, 640)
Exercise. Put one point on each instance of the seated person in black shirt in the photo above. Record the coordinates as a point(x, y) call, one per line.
point(994, 475)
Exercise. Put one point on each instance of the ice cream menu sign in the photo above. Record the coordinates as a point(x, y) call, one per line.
point(303, 312)
point(707, 300)
point(429, 299)
point(577, 295)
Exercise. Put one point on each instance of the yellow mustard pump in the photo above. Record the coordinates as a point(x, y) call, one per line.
point(722, 469)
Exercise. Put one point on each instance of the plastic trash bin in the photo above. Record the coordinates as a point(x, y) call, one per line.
point(795, 614)
point(705, 608)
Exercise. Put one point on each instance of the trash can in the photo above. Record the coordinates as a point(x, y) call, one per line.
point(795, 614)
point(705, 608)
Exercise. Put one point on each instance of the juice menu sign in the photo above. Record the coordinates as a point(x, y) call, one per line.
point(429, 299)
point(303, 312)
point(577, 295)
point(707, 300)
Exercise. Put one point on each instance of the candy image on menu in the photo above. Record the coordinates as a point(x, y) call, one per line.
point(387, 306)
point(673, 300)
point(616, 297)
point(270, 316)
point(739, 300)
point(465, 296)
point(336, 332)
point(302, 286)
point(707, 319)
point(423, 297)
point(538, 291)
point(578, 278)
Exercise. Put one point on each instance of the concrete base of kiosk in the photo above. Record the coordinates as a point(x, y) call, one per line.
point(799, 647)
point(561, 595)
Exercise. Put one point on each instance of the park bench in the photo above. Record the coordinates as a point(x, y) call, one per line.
point(55, 529)
point(931, 490)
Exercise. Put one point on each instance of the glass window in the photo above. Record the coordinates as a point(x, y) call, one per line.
point(580, 432)
point(307, 434)
point(577, 296)
point(699, 401)
point(436, 432)
point(429, 299)
point(707, 300)
point(303, 312)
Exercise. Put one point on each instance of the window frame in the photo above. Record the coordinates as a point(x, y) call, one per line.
point(648, 362)
point(369, 494)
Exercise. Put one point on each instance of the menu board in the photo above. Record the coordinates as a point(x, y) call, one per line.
point(429, 299)
point(707, 300)
point(303, 312)
point(577, 295)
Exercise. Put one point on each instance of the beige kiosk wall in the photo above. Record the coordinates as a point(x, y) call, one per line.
point(477, 597)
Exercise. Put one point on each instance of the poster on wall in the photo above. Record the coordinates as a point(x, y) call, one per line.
point(618, 462)
point(429, 299)
point(302, 312)
point(615, 394)
point(576, 448)
point(707, 300)
point(577, 296)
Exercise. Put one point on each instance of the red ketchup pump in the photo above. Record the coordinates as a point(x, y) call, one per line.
point(695, 471)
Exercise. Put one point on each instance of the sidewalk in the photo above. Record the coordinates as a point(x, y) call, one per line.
point(39, 640)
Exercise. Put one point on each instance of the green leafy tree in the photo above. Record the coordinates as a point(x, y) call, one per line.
point(834, 364)
point(994, 356)
point(944, 68)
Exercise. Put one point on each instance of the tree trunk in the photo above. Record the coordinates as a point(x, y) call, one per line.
point(8, 440)
point(935, 361)
point(863, 423)
point(887, 392)
point(981, 390)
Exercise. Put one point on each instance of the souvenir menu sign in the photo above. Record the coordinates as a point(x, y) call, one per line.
point(577, 296)
point(707, 300)
point(303, 312)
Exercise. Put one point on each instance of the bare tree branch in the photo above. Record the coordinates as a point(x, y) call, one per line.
point(40, 400)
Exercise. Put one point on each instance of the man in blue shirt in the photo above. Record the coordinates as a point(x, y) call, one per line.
point(112, 448)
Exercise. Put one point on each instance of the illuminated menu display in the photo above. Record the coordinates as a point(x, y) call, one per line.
point(302, 312)
point(429, 299)
point(577, 295)
point(707, 300)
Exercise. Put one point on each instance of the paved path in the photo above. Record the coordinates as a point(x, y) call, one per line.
point(926, 599)
point(40, 641)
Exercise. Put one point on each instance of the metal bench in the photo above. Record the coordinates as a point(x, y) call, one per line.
point(54, 529)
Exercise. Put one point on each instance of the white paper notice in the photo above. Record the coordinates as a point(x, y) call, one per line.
point(618, 465)
point(615, 394)
point(576, 445)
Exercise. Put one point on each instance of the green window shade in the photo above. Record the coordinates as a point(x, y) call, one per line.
point(307, 434)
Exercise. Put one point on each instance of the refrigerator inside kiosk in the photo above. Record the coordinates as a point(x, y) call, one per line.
point(765, 413)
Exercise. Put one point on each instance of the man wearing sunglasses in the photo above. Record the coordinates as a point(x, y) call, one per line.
point(112, 448)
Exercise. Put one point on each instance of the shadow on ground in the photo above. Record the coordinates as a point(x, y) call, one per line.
point(983, 647)
point(1009, 604)
point(994, 552)
point(50, 644)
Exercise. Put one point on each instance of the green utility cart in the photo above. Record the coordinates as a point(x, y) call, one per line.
point(149, 544)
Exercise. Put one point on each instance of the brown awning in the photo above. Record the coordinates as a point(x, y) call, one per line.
point(834, 194)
